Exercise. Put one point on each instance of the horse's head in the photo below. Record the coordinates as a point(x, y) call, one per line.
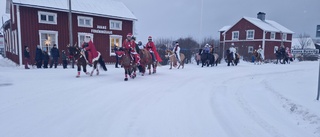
point(74, 51)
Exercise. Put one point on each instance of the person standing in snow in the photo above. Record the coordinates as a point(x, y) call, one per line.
point(176, 51)
point(55, 56)
point(64, 59)
point(39, 57)
point(26, 57)
point(153, 50)
point(45, 58)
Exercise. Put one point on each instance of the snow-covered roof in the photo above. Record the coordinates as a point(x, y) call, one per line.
point(268, 25)
point(107, 8)
point(295, 44)
point(224, 28)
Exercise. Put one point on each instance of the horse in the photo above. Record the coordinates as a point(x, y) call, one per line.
point(81, 60)
point(173, 59)
point(198, 56)
point(128, 64)
point(146, 61)
point(257, 58)
point(231, 60)
point(283, 57)
point(207, 59)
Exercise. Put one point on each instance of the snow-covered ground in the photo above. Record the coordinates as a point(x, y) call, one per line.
point(244, 101)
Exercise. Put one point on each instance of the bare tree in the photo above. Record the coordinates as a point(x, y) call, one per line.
point(304, 40)
point(163, 42)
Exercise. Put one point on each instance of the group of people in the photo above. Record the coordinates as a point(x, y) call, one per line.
point(130, 46)
point(42, 57)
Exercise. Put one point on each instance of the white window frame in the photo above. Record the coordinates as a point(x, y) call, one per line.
point(111, 46)
point(85, 19)
point(83, 34)
point(233, 35)
point(47, 17)
point(48, 32)
point(113, 27)
point(248, 34)
point(273, 34)
point(12, 10)
point(250, 49)
point(284, 36)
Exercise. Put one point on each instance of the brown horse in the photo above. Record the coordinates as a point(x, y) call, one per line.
point(128, 64)
point(173, 59)
point(81, 60)
point(146, 61)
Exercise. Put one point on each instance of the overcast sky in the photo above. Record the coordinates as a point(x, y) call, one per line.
point(182, 18)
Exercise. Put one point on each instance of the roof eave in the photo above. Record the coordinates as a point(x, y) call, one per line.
point(73, 11)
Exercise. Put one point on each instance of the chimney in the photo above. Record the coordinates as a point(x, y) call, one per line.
point(261, 16)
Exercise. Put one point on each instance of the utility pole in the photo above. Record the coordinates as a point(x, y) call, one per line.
point(70, 25)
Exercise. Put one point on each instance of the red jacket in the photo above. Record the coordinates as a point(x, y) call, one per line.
point(127, 45)
point(92, 49)
point(152, 47)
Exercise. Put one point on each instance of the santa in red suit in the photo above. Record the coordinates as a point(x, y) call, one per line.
point(93, 54)
point(129, 45)
point(153, 50)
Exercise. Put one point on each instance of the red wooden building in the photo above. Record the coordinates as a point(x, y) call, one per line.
point(45, 23)
point(248, 33)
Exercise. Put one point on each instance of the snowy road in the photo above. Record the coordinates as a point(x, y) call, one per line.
point(243, 101)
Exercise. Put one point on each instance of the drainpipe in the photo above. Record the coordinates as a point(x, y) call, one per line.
point(19, 35)
point(264, 43)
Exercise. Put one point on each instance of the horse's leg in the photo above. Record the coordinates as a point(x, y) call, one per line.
point(79, 70)
point(97, 71)
point(149, 68)
point(125, 74)
point(154, 66)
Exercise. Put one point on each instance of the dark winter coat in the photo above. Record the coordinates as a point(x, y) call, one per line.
point(45, 56)
point(39, 55)
point(26, 54)
point(63, 56)
point(55, 53)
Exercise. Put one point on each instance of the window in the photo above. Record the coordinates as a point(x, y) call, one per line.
point(14, 42)
point(85, 21)
point(275, 49)
point(47, 17)
point(235, 35)
point(273, 35)
point(115, 40)
point(250, 34)
point(81, 37)
point(48, 39)
point(250, 49)
point(115, 25)
point(284, 36)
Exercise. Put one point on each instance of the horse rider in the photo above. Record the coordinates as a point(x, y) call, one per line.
point(176, 51)
point(260, 51)
point(206, 48)
point(233, 50)
point(153, 50)
point(129, 46)
point(288, 52)
point(140, 46)
point(282, 51)
point(88, 46)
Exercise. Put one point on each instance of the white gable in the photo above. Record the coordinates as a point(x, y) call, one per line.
point(268, 25)
point(295, 44)
point(102, 8)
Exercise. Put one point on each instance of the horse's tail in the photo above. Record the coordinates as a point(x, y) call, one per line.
point(103, 65)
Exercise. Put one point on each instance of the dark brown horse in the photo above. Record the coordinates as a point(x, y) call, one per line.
point(81, 60)
point(128, 64)
point(146, 61)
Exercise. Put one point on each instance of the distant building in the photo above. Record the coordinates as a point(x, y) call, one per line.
point(45, 23)
point(248, 33)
